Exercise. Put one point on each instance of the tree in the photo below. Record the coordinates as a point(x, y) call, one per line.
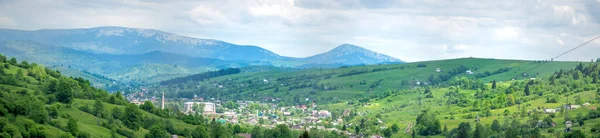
point(496, 126)
point(283, 131)
point(201, 132)
point(464, 130)
point(99, 109)
point(356, 130)
point(428, 124)
point(157, 131)
point(445, 129)
point(305, 135)
point(257, 132)
point(480, 131)
point(494, 84)
point(527, 91)
point(147, 106)
point(132, 117)
point(72, 127)
point(576, 134)
point(387, 132)
point(64, 92)
point(395, 128)
point(117, 113)
point(13, 61)
point(237, 129)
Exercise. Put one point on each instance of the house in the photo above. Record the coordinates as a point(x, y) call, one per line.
point(438, 70)
point(469, 72)
point(311, 119)
point(324, 114)
point(575, 106)
point(230, 114)
point(297, 127)
point(568, 124)
point(174, 136)
point(550, 111)
point(321, 127)
point(303, 107)
point(287, 113)
point(586, 104)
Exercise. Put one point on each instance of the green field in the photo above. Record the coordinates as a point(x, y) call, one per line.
point(250, 86)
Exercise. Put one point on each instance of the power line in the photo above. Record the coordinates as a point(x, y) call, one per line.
point(564, 53)
point(577, 47)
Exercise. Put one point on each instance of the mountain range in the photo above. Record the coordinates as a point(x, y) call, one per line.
point(146, 54)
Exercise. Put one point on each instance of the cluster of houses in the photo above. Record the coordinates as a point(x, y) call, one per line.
point(567, 107)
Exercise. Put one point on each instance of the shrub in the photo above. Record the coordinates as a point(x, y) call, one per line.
point(125, 132)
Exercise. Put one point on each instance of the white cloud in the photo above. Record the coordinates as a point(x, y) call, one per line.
point(406, 29)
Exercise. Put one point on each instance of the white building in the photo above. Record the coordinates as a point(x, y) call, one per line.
point(469, 72)
point(209, 108)
point(438, 70)
point(550, 111)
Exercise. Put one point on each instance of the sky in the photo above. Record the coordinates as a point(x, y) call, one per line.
point(411, 30)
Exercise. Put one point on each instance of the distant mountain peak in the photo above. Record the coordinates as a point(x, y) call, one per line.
point(353, 55)
point(348, 48)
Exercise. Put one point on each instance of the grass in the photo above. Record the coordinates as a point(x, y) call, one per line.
point(408, 114)
point(350, 88)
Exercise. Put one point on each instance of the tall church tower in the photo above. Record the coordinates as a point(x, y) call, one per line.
point(162, 105)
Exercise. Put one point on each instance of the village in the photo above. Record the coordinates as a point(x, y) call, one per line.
point(266, 113)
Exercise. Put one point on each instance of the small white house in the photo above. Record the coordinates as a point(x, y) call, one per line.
point(550, 111)
point(469, 72)
point(438, 70)
point(575, 106)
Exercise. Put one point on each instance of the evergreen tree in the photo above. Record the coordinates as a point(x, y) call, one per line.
point(480, 131)
point(494, 84)
point(464, 130)
point(527, 92)
point(496, 126)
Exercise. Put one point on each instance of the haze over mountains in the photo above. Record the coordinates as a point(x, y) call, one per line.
point(141, 54)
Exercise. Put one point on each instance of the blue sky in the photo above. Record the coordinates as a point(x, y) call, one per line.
point(411, 30)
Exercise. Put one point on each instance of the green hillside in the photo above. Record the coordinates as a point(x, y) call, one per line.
point(346, 83)
point(523, 101)
point(39, 102)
